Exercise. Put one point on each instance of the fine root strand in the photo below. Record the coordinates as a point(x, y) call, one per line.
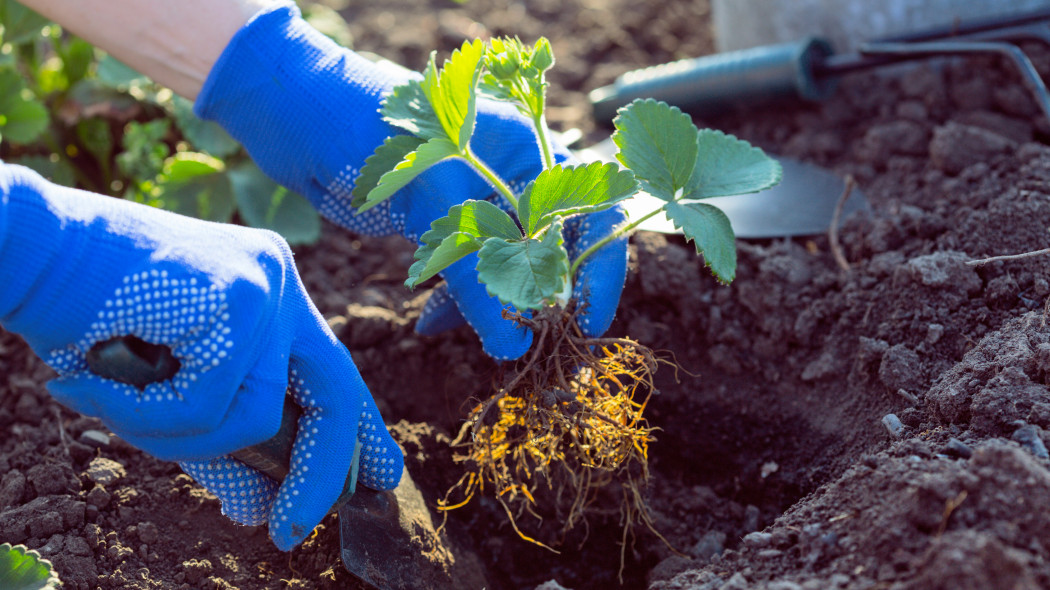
point(563, 431)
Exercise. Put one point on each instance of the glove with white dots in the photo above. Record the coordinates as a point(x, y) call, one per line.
point(79, 269)
point(308, 112)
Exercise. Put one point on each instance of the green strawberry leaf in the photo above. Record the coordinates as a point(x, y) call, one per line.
point(188, 165)
point(206, 136)
point(658, 143)
point(480, 219)
point(407, 107)
point(726, 166)
point(77, 56)
point(452, 91)
point(20, 24)
point(558, 192)
point(23, 569)
point(261, 202)
point(194, 184)
point(386, 157)
point(413, 164)
point(25, 121)
point(709, 229)
point(525, 273)
point(455, 246)
point(22, 117)
point(477, 220)
point(206, 197)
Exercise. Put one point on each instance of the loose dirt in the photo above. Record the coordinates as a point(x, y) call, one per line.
point(779, 465)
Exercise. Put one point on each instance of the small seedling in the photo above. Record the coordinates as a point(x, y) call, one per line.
point(570, 415)
point(23, 569)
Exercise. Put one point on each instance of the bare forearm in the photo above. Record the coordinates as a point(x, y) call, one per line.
point(175, 42)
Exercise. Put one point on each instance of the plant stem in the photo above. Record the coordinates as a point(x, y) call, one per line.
point(543, 134)
point(490, 176)
point(615, 234)
point(536, 108)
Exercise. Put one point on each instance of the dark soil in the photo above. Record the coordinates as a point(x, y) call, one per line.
point(774, 467)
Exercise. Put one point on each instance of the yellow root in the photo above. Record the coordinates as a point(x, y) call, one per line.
point(569, 423)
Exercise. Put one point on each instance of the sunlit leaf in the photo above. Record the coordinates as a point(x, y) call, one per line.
point(712, 234)
point(195, 184)
point(452, 91)
point(451, 249)
point(565, 191)
point(414, 164)
point(50, 76)
point(407, 107)
point(188, 165)
point(386, 157)
point(478, 220)
point(516, 72)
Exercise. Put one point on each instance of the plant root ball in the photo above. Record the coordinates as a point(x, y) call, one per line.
point(564, 434)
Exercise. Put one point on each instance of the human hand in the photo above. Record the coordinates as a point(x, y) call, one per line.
point(307, 111)
point(79, 269)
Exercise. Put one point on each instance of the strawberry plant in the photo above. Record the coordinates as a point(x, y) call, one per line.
point(571, 413)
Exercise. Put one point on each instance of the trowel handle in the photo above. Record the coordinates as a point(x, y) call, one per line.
point(273, 456)
point(712, 83)
point(128, 359)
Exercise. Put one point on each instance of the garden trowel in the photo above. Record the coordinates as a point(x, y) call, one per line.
point(387, 538)
point(803, 203)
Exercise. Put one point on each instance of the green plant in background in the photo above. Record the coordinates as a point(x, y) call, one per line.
point(82, 118)
point(36, 61)
point(22, 569)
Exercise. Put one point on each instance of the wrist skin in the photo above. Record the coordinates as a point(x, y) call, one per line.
point(175, 43)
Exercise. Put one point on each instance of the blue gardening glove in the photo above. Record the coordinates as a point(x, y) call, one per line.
point(77, 269)
point(307, 111)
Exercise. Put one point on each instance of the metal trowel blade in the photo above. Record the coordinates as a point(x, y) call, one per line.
point(389, 540)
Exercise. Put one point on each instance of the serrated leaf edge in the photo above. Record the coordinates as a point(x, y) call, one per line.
point(53, 581)
point(696, 244)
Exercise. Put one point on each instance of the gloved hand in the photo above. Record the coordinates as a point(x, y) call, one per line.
point(77, 269)
point(307, 111)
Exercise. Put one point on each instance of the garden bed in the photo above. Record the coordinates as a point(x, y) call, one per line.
point(772, 466)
